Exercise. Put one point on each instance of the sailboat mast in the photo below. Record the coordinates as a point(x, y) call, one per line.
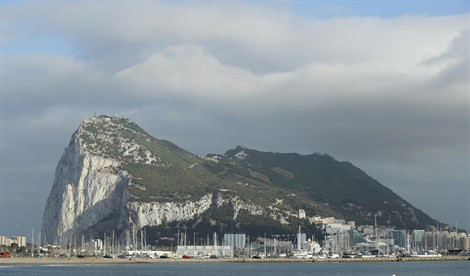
point(375, 225)
point(265, 244)
point(32, 242)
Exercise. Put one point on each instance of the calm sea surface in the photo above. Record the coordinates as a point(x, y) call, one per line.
point(199, 269)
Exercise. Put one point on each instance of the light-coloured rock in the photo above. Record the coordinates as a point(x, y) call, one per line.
point(155, 213)
point(237, 205)
point(89, 195)
point(87, 189)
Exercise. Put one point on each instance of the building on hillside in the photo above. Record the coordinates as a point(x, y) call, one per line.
point(366, 229)
point(302, 214)
point(352, 223)
point(327, 220)
point(315, 219)
point(333, 228)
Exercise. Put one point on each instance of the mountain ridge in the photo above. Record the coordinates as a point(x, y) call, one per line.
point(115, 175)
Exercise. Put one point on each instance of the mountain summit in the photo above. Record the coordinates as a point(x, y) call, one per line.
point(115, 176)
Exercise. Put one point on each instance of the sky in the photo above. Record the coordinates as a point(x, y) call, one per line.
point(382, 84)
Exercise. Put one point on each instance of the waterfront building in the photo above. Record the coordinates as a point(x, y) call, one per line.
point(418, 240)
point(205, 250)
point(399, 238)
point(441, 240)
point(311, 246)
point(5, 241)
point(466, 243)
point(97, 244)
point(357, 237)
point(236, 241)
point(339, 242)
point(201, 250)
point(303, 240)
point(8, 241)
point(272, 246)
point(20, 240)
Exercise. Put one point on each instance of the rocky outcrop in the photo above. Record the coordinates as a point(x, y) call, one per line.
point(237, 204)
point(155, 213)
point(90, 191)
point(115, 176)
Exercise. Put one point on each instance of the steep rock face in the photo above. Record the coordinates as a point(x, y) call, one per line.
point(237, 205)
point(93, 191)
point(155, 213)
point(87, 189)
point(115, 176)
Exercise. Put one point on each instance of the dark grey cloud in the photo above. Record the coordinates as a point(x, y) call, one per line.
point(389, 95)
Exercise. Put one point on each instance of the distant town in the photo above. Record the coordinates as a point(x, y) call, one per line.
point(342, 239)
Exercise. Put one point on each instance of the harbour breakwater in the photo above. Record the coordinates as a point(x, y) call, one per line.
point(98, 261)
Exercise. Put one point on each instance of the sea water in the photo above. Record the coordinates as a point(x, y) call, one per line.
point(246, 269)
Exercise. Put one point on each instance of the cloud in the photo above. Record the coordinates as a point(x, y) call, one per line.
point(189, 72)
point(255, 37)
point(387, 94)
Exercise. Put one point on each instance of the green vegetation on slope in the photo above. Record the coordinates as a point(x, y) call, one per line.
point(317, 183)
point(346, 189)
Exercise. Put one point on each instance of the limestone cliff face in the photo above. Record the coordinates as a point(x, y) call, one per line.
point(90, 194)
point(155, 213)
point(87, 190)
point(115, 176)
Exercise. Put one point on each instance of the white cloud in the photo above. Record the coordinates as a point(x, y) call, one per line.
point(254, 37)
point(370, 90)
point(190, 72)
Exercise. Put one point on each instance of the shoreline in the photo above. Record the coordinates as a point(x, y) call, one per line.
point(20, 261)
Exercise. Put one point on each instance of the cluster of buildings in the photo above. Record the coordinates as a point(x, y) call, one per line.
point(344, 236)
point(8, 241)
point(338, 237)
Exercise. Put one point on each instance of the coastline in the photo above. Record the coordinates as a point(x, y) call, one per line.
point(102, 261)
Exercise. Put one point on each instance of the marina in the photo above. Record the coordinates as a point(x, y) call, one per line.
point(255, 268)
point(338, 243)
point(103, 261)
